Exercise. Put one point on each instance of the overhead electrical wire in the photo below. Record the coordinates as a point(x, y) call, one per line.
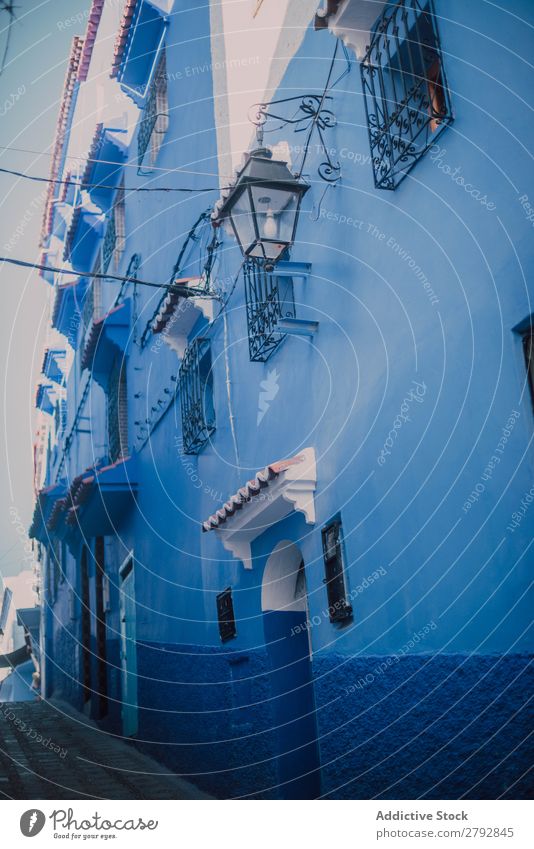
point(85, 186)
point(178, 170)
point(186, 291)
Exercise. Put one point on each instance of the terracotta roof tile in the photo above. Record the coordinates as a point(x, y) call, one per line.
point(90, 37)
point(61, 132)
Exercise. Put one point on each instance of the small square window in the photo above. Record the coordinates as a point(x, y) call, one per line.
point(225, 615)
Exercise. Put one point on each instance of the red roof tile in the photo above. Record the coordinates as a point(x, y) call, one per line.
point(61, 132)
point(90, 37)
point(247, 492)
point(122, 35)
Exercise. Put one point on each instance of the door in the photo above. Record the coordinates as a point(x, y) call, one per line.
point(85, 672)
point(285, 615)
point(128, 648)
point(101, 687)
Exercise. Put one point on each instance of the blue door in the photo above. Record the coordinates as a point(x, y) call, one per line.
point(285, 614)
point(128, 649)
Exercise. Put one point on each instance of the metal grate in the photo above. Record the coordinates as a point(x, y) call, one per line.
point(109, 243)
point(528, 350)
point(225, 615)
point(405, 90)
point(117, 412)
point(269, 298)
point(155, 121)
point(196, 396)
point(338, 607)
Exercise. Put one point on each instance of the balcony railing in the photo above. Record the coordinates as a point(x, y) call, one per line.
point(269, 299)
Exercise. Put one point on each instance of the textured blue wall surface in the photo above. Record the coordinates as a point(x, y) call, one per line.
point(205, 712)
point(427, 726)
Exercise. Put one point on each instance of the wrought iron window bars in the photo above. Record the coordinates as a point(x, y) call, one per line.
point(405, 90)
point(196, 396)
point(117, 408)
point(226, 616)
point(269, 298)
point(155, 121)
point(339, 608)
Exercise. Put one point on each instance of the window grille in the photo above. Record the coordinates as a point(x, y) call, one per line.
point(109, 243)
point(196, 396)
point(528, 350)
point(269, 298)
point(119, 213)
point(405, 90)
point(338, 607)
point(155, 121)
point(92, 305)
point(117, 412)
point(4, 611)
point(225, 615)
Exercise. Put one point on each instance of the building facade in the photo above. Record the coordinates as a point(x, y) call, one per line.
point(284, 505)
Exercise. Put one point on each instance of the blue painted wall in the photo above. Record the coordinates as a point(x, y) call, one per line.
point(439, 714)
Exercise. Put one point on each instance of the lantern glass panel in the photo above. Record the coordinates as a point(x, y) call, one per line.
point(243, 220)
point(276, 211)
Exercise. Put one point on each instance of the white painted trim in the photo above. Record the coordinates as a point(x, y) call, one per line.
point(280, 579)
point(293, 489)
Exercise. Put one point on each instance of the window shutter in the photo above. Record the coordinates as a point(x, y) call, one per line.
point(338, 607)
point(225, 614)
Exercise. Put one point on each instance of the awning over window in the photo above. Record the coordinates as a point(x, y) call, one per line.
point(104, 165)
point(106, 338)
point(30, 619)
point(44, 507)
point(14, 658)
point(67, 307)
point(98, 499)
point(54, 364)
point(270, 496)
point(84, 234)
point(177, 315)
point(350, 20)
point(137, 46)
point(45, 399)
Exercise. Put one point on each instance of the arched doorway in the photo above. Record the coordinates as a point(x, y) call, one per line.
point(285, 612)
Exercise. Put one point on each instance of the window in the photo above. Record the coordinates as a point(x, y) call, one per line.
point(405, 91)
point(155, 121)
point(269, 298)
point(92, 305)
point(225, 615)
point(338, 607)
point(528, 350)
point(113, 244)
point(196, 396)
point(4, 610)
point(55, 572)
point(117, 404)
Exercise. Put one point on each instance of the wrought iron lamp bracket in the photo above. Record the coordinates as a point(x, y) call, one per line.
point(308, 115)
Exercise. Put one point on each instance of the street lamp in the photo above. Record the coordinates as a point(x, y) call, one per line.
point(263, 207)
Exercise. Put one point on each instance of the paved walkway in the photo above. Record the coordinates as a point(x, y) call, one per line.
point(46, 753)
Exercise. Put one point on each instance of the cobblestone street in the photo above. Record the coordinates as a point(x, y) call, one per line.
point(48, 754)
